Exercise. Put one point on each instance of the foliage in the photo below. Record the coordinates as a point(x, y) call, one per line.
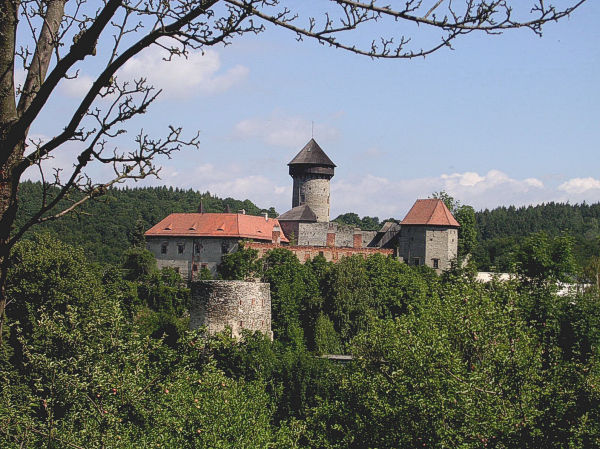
point(365, 223)
point(87, 376)
point(138, 263)
point(240, 265)
point(293, 289)
point(540, 258)
point(96, 360)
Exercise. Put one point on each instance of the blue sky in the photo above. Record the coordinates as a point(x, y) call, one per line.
point(499, 120)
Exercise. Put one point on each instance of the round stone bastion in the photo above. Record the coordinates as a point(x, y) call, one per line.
point(238, 305)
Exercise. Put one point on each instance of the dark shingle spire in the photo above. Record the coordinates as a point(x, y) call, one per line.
point(312, 154)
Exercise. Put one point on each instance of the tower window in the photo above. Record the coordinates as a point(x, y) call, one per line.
point(436, 263)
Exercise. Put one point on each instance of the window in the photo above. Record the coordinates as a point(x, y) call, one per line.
point(204, 265)
point(195, 267)
point(436, 263)
point(180, 248)
point(197, 248)
point(241, 324)
point(415, 261)
point(224, 247)
point(163, 248)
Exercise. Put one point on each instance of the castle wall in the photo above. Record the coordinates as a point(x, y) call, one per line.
point(331, 254)
point(442, 244)
point(315, 234)
point(236, 304)
point(313, 190)
point(196, 253)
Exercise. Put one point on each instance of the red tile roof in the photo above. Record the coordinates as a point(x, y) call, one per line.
point(216, 225)
point(432, 212)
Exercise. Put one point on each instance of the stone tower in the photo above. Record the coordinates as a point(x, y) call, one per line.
point(429, 235)
point(311, 170)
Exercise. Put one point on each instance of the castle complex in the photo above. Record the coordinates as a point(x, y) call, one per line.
point(428, 234)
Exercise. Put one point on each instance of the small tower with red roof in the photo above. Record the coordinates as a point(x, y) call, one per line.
point(429, 235)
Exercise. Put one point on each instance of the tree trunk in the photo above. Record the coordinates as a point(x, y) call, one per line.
point(8, 115)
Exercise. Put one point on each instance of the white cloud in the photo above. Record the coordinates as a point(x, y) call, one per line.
point(580, 185)
point(283, 130)
point(382, 197)
point(183, 77)
point(77, 87)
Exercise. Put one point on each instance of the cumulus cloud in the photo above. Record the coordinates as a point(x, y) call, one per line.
point(372, 195)
point(580, 185)
point(183, 77)
point(283, 130)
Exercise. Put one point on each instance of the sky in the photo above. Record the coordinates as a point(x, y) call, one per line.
point(500, 120)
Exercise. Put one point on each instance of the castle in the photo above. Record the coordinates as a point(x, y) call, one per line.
point(190, 242)
point(428, 234)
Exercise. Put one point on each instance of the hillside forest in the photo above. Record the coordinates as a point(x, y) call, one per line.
point(97, 352)
point(106, 227)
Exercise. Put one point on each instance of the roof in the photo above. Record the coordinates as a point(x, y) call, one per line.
point(387, 226)
point(299, 213)
point(216, 225)
point(312, 154)
point(432, 212)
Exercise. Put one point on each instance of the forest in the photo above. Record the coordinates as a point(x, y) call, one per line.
point(97, 352)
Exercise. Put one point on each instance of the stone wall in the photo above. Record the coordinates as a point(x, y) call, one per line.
point(188, 255)
point(312, 190)
point(424, 245)
point(316, 234)
point(331, 254)
point(238, 305)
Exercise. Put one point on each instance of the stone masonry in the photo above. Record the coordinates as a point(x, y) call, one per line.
point(312, 190)
point(238, 305)
point(434, 246)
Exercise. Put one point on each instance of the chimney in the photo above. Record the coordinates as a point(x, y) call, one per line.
point(266, 215)
point(276, 235)
point(201, 207)
point(242, 211)
point(330, 238)
point(357, 238)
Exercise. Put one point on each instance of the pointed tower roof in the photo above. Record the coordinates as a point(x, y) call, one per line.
point(432, 212)
point(312, 154)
